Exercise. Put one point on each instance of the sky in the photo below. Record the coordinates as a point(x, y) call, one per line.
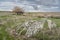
point(31, 5)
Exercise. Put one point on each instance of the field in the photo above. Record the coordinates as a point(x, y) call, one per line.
point(8, 19)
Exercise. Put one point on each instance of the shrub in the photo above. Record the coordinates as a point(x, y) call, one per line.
point(18, 10)
point(56, 17)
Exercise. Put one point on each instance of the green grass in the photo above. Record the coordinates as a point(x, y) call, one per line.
point(57, 21)
point(3, 34)
point(20, 19)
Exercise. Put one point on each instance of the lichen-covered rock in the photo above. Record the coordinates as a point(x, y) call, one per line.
point(32, 27)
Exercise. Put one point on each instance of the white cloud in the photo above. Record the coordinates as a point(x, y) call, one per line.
point(54, 7)
point(10, 5)
point(37, 0)
point(28, 6)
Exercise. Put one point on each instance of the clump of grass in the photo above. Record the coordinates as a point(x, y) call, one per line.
point(3, 34)
point(46, 34)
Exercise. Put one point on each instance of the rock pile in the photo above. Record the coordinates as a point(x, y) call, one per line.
point(33, 26)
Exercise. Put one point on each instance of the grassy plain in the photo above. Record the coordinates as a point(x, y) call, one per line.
point(8, 19)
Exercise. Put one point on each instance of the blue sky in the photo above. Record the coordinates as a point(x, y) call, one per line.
point(31, 5)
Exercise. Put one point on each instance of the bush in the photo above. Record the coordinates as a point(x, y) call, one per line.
point(56, 17)
point(18, 10)
point(40, 16)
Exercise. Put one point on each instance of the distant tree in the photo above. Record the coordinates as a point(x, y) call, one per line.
point(18, 10)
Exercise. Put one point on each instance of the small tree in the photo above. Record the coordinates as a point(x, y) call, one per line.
point(18, 10)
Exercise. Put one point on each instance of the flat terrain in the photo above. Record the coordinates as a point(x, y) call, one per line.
point(8, 19)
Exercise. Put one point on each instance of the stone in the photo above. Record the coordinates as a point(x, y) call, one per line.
point(34, 26)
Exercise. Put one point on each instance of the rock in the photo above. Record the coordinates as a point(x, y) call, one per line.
point(33, 26)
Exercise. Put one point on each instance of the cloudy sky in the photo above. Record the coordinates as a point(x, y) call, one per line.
point(31, 5)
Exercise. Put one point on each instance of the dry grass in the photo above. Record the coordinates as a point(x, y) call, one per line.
point(10, 20)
